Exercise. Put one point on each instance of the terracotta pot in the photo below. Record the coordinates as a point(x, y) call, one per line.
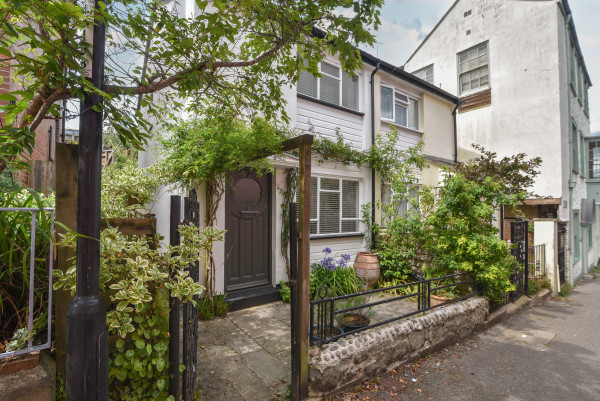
point(366, 266)
point(435, 300)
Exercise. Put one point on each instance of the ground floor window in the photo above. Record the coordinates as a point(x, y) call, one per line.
point(334, 206)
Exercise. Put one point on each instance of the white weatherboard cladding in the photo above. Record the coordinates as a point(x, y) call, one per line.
point(408, 138)
point(338, 246)
point(328, 121)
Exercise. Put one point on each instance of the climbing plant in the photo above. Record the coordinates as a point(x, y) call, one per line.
point(207, 150)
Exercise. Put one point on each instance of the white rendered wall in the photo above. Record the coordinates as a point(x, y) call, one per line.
point(544, 233)
point(523, 60)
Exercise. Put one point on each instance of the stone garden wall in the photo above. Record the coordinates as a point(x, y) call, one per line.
point(350, 360)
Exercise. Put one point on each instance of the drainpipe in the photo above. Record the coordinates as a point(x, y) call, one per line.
point(460, 102)
point(373, 144)
point(571, 182)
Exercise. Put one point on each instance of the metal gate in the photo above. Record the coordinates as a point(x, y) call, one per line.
point(519, 237)
point(191, 215)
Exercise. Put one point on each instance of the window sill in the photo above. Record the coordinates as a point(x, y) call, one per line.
point(416, 131)
point(329, 236)
point(335, 106)
point(474, 92)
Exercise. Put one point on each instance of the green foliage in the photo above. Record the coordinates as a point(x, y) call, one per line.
point(136, 280)
point(129, 191)
point(285, 292)
point(565, 290)
point(545, 283)
point(288, 195)
point(466, 239)
point(534, 287)
point(7, 182)
point(236, 55)
point(208, 310)
point(15, 251)
point(207, 150)
point(515, 174)
point(335, 275)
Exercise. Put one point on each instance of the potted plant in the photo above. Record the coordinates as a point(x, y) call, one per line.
point(357, 318)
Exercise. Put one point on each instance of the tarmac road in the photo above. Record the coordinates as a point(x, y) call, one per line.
point(550, 352)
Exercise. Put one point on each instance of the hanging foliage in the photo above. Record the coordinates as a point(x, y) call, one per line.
point(206, 151)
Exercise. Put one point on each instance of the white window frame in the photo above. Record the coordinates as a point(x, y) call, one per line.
point(395, 101)
point(425, 76)
point(460, 73)
point(342, 218)
point(339, 78)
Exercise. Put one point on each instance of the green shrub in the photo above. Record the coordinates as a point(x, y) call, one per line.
point(565, 290)
point(208, 310)
point(534, 287)
point(15, 250)
point(335, 275)
point(136, 280)
point(284, 292)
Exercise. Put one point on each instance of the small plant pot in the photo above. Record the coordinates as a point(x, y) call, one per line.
point(328, 334)
point(353, 321)
point(435, 300)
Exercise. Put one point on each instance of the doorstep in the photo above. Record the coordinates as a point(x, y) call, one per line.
point(250, 297)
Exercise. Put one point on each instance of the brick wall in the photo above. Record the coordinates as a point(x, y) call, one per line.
point(48, 132)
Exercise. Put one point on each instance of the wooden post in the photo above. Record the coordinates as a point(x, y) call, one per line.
point(304, 265)
point(67, 157)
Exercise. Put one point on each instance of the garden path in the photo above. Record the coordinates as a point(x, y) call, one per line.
point(246, 356)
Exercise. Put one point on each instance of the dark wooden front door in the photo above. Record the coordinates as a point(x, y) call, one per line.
point(248, 237)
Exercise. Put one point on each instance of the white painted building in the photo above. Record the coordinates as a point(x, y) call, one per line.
point(519, 71)
point(380, 96)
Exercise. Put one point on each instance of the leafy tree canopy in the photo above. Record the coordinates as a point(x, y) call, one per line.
point(236, 54)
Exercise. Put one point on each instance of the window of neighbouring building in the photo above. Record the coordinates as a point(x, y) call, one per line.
point(405, 204)
point(573, 68)
point(582, 170)
point(473, 69)
point(586, 102)
point(576, 235)
point(399, 108)
point(594, 159)
point(334, 207)
point(574, 148)
point(425, 73)
point(334, 86)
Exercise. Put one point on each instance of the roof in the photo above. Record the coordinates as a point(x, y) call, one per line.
point(407, 76)
point(564, 4)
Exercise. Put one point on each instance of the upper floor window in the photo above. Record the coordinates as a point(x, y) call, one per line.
point(574, 148)
point(586, 101)
point(334, 207)
point(473, 69)
point(573, 68)
point(334, 86)
point(399, 108)
point(594, 159)
point(425, 73)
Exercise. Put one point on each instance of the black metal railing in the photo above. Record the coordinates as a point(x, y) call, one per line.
point(329, 316)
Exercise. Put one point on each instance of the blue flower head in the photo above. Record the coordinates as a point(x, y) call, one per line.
point(327, 250)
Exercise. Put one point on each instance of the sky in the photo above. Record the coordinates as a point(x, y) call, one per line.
point(405, 23)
